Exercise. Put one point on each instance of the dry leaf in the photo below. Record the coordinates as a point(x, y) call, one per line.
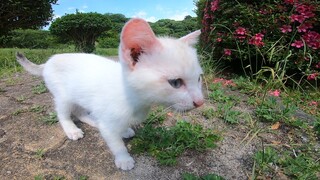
point(276, 142)
point(170, 114)
point(275, 126)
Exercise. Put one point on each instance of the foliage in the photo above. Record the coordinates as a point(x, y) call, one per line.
point(188, 176)
point(174, 28)
point(111, 38)
point(249, 35)
point(32, 39)
point(81, 28)
point(166, 144)
point(15, 14)
point(8, 63)
point(294, 166)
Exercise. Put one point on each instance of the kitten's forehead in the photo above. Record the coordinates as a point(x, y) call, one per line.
point(179, 57)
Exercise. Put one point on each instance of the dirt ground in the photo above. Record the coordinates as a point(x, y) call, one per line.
point(30, 148)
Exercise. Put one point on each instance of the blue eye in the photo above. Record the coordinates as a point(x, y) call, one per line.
point(175, 83)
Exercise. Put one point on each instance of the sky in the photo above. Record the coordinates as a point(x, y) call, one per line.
point(150, 10)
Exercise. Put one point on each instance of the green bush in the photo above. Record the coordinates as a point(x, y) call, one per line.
point(31, 39)
point(248, 35)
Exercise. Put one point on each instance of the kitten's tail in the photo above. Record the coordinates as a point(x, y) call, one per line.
point(28, 65)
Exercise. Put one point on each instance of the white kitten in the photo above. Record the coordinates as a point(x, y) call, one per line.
point(151, 71)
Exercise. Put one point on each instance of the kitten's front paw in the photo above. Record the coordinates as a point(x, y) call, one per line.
point(124, 162)
point(129, 133)
point(75, 134)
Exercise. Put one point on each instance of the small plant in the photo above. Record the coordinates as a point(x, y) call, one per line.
point(38, 177)
point(51, 118)
point(37, 109)
point(39, 89)
point(225, 112)
point(21, 98)
point(188, 176)
point(18, 111)
point(270, 111)
point(208, 113)
point(166, 144)
point(301, 166)
point(40, 153)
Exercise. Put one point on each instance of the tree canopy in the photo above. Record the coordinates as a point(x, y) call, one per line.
point(81, 28)
point(15, 14)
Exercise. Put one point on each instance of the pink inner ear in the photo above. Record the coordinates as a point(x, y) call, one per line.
point(137, 34)
point(191, 38)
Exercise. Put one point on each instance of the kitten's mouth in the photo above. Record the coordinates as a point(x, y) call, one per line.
point(182, 108)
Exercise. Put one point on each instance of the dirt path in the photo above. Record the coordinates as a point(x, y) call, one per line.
point(30, 148)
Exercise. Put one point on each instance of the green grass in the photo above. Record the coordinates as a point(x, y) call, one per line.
point(50, 119)
point(39, 89)
point(8, 64)
point(188, 176)
point(167, 143)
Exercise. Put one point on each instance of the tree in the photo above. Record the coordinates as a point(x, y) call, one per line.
point(15, 14)
point(81, 28)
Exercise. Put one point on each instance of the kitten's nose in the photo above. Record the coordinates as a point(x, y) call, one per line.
point(198, 103)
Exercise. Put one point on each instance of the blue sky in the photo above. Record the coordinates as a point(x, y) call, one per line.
point(150, 10)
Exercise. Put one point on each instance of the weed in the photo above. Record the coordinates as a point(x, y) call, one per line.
point(188, 176)
point(301, 166)
point(83, 177)
point(51, 118)
point(270, 110)
point(37, 109)
point(38, 177)
point(225, 112)
point(166, 144)
point(157, 116)
point(18, 111)
point(39, 89)
point(40, 153)
point(208, 113)
point(21, 98)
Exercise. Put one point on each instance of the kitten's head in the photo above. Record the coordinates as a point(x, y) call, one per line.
point(161, 70)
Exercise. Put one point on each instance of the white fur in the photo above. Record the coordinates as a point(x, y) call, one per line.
point(114, 96)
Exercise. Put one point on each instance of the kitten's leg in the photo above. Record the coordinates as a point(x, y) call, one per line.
point(63, 109)
point(84, 116)
point(128, 134)
point(112, 135)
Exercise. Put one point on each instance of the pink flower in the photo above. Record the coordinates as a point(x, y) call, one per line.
point(257, 40)
point(295, 17)
point(313, 103)
point(224, 82)
point(219, 40)
point(241, 31)
point(214, 5)
point(297, 44)
point(286, 28)
point(227, 52)
point(312, 39)
point(304, 27)
point(275, 93)
point(289, 1)
point(312, 76)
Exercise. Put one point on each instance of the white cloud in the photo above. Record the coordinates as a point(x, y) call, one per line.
point(143, 15)
point(179, 16)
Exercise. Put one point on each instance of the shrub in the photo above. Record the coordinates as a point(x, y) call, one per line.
point(31, 39)
point(248, 35)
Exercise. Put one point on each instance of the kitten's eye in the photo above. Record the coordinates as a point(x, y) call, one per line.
point(176, 83)
point(199, 79)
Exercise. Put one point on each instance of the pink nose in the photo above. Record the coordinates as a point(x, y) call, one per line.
point(198, 103)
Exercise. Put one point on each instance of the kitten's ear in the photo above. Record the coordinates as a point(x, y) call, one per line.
point(137, 37)
point(192, 38)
